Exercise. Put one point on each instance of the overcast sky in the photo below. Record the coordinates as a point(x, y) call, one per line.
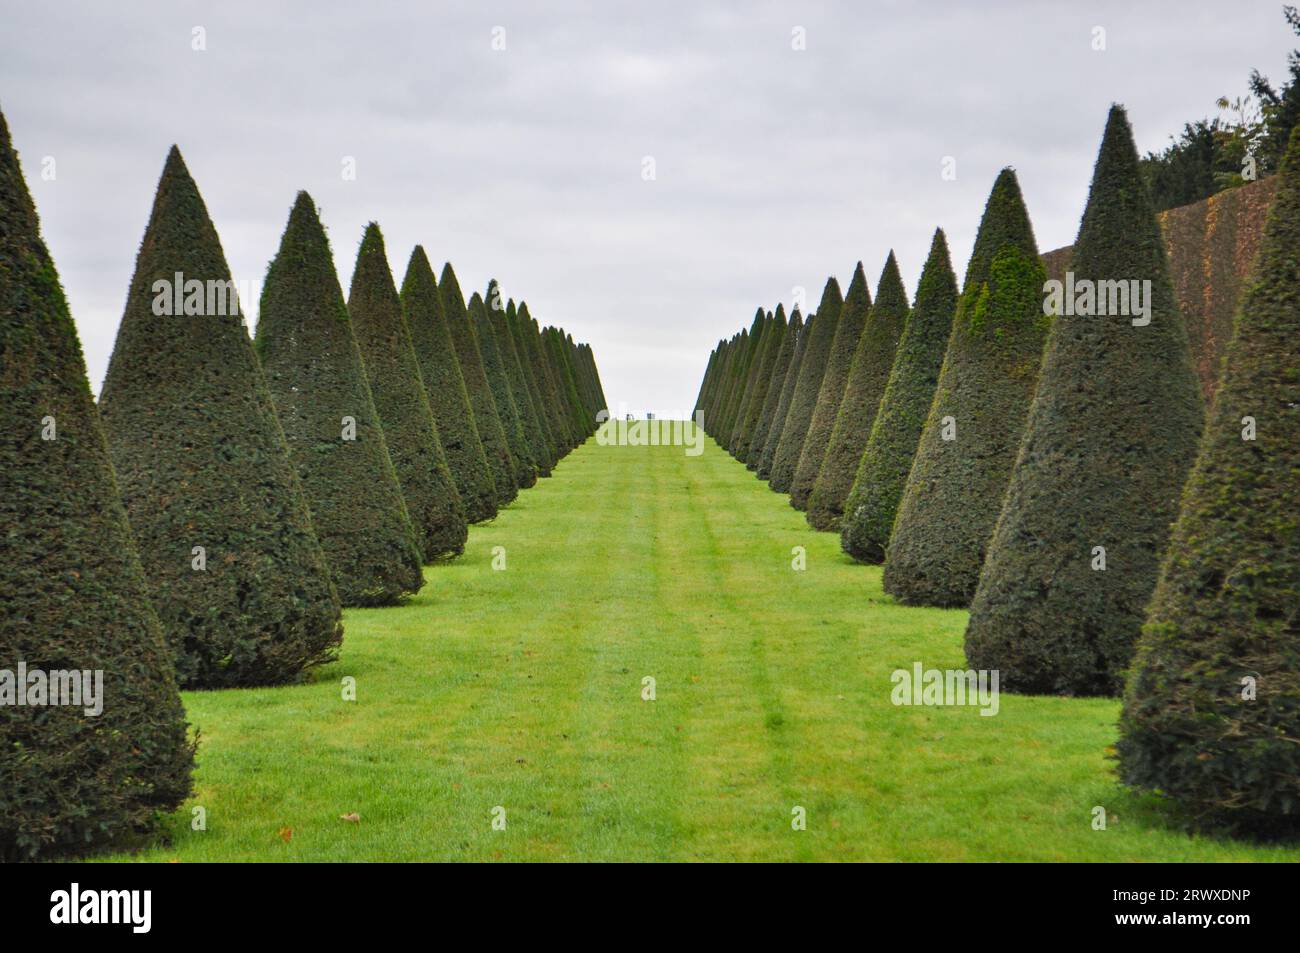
point(773, 167)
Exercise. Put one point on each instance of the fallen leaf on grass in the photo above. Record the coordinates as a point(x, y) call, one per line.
point(286, 834)
point(352, 817)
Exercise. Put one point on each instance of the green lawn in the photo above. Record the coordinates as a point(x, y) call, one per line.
point(522, 689)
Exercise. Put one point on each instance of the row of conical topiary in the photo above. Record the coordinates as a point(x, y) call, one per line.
point(204, 526)
point(1002, 449)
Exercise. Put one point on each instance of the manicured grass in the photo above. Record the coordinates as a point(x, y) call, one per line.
point(522, 689)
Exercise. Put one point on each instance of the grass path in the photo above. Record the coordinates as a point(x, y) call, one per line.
point(521, 689)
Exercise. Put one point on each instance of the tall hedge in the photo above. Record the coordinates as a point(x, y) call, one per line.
point(863, 392)
point(445, 387)
point(409, 428)
point(75, 596)
point(955, 487)
point(202, 462)
point(886, 460)
point(524, 380)
point(761, 381)
point(1211, 715)
point(706, 380)
point(768, 458)
point(564, 376)
point(775, 383)
point(1113, 429)
point(839, 361)
point(821, 335)
point(313, 369)
point(494, 366)
point(491, 433)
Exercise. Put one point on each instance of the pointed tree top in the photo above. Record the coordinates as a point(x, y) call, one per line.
point(890, 292)
point(780, 311)
point(1119, 208)
point(1005, 222)
point(831, 293)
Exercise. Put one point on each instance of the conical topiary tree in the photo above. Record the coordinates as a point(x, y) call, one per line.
point(839, 361)
point(322, 399)
point(75, 596)
point(740, 377)
point(821, 335)
point(445, 388)
point(863, 391)
point(550, 448)
point(772, 443)
point(495, 368)
point(968, 446)
point(236, 573)
point(1212, 711)
point(490, 431)
point(559, 424)
point(775, 384)
point(1112, 431)
point(725, 379)
point(761, 380)
point(705, 382)
point(873, 501)
point(534, 437)
point(394, 374)
point(761, 343)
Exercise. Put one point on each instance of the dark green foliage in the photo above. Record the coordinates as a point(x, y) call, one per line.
point(73, 592)
point(722, 389)
point(839, 361)
point(887, 458)
point(1111, 434)
point(445, 387)
point(536, 421)
point(760, 382)
point(740, 377)
point(775, 384)
point(1226, 611)
point(821, 335)
point(774, 433)
point(499, 381)
point(955, 487)
point(409, 429)
point(491, 434)
point(559, 424)
point(868, 378)
point(313, 369)
point(568, 388)
point(761, 340)
point(201, 462)
point(709, 370)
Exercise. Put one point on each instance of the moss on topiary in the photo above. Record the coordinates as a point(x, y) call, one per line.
point(955, 487)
